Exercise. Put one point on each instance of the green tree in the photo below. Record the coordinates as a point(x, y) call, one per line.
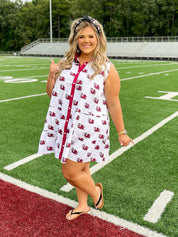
point(22, 23)
point(102, 10)
point(168, 14)
point(32, 22)
point(61, 18)
point(8, 11)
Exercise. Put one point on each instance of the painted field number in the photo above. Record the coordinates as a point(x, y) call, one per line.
point(169, 95)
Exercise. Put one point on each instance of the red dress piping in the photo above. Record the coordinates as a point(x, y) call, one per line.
point(70, 107)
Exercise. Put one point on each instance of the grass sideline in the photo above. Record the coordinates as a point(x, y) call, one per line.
point(132, 181)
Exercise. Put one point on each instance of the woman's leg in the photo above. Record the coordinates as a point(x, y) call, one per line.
point(82, 200)
point(78, 175)
point(82, 195)
point(82, 206)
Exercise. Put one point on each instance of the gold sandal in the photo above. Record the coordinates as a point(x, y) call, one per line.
point(68, 217)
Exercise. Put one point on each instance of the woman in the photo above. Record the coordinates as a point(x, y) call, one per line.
point(83, 86)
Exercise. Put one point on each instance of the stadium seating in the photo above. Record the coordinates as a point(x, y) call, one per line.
point(47, 49)
point(140, 50)
point(167, 50)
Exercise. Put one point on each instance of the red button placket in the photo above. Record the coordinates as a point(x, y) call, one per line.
point(70, 107)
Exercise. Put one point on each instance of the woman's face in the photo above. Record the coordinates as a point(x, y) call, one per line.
point(87, 41)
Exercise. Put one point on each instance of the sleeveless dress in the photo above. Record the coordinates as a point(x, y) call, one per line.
point(77, 121)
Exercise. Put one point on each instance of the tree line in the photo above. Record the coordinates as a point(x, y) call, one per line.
point(21, 23)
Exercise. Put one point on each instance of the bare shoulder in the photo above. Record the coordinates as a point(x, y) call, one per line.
point(112, 69)
point(112, 86)
point(113, 77)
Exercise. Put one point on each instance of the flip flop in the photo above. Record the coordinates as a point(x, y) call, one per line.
point(101, 199)
point(70, 213)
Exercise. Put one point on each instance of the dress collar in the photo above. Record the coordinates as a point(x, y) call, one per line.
point(76, 60)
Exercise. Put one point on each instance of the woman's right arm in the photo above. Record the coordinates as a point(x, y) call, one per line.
point(53, 69)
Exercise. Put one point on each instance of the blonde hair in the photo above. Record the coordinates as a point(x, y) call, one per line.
point(99, 56)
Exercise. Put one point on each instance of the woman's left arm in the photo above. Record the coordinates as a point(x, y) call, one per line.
point(112, 89)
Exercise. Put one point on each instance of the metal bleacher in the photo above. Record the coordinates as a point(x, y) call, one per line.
point(163, 48)
point(45, 48)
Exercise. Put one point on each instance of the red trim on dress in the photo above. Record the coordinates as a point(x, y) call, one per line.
point(70, 107)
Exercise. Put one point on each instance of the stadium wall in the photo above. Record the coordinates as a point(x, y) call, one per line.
point(123, 49)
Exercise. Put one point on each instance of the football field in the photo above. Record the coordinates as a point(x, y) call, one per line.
point(140, 181)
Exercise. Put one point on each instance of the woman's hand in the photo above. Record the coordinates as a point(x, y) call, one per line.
point(53, 69)
point(125, 140)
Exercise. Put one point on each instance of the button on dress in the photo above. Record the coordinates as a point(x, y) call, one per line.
point(77, 121)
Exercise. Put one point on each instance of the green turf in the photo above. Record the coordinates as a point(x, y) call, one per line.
point(131, 182)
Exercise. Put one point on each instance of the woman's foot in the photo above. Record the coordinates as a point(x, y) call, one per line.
point(73, 214)
point(99, 200)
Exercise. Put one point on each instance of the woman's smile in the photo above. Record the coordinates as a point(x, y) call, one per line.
point(87, 41)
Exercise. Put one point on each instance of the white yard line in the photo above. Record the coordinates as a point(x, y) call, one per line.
point(22, 162)
point(100, 214)
point(158, 207)
point(2, 78)
point(22, 65)
point(150, 74)
point(36, 76)
point(144, 65)
point(124, 79)
point(95, 168)
point(23, 97)
point(24, 69)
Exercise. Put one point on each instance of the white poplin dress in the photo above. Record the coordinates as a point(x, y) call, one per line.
point(77, 121)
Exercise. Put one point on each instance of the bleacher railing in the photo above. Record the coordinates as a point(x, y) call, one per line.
point(144, 39)
point(124, 39)
point(109, 39)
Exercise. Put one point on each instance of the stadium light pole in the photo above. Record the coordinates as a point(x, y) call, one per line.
point(51, 32)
